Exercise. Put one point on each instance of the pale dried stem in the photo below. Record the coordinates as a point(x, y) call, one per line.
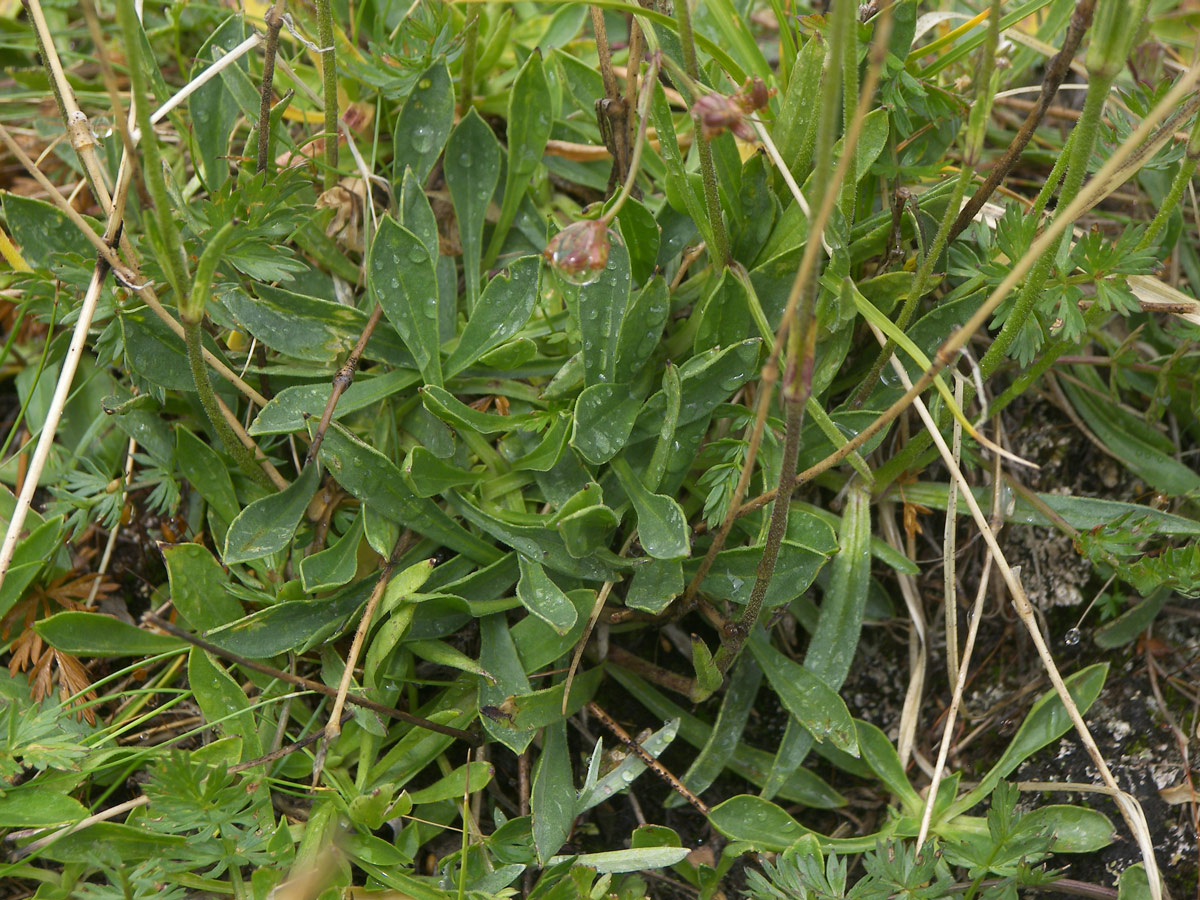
point(333, 727)
point(1130, 810)
point(911, 710)
point(770, 371)
point(1121, 165)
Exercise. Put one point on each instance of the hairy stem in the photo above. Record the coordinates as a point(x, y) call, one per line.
point(708, 173)
point(208, 399)
point(328, 89)
point(274, 20)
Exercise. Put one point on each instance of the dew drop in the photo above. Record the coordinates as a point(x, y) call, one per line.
point(1072, 637)
point(422, 138)
point(425, 84)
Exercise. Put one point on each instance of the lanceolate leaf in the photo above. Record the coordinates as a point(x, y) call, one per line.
point(502, 310)
point(424, 123)
point(401, 277)
point(472, 172)
point(378, 482)
point(268, 525)
point(544, 598)
point(529, 121)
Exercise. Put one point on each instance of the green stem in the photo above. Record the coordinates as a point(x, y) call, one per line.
point(849, 102)
point(466, 83)
point(985, 91)
point(208, 399)
point(172, 259)
point(1187, 168)
point(1082, 141)
point(708, 173)
point(328, 89)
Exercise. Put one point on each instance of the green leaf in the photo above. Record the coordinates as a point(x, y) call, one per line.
point(543, 598)
point(417, 215)
point(549, 450)
point(539, 645)
point(498, 655)
point(442, 654)
point(430, 476)
point(42, 230)
point(336, 564)
point(472, 167)
point(529, 121)
point(724, 316)
point(641, 235)
point(468, 779)
point(93, 634)
point(1075, 829)
point(201, 465)
point(708, 676)
point(662, 527)
point(879, 753)
point(450, 409)
point(627, 770)
point(424, 123)
point(732, 574)
point(835, 641)
point(813, 702)
point(543, 544)
point(727, 731)
point(378, 482)
point(635, 859)
point(213, 108)
point(1134, 884)
point(29, 558)
point(552, 802)
point(1130, 441)
point(268, 525)
point(604, 417)
point(290, 409)
point(200, 587)
point(641, 328)
point(401, 278)
point(1047, 722)
point(290, 625)
point(221, 700)
point(38, 808)
point(502, 311)
point(303, 327)
point(601, 310)
point(802, 786)
point(656, 582)
point(756, 821)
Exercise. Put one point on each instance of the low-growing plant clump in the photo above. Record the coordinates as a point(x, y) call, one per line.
point(699, 449)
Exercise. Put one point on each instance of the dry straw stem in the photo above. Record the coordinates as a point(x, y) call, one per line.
point(1130, 810)
point(333, 727)
point(917, 643)
point(79, 130)
point(1125, 161)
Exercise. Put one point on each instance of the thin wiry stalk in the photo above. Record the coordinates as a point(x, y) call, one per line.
point(1130, 810)
point(801, 340)
point(328, 89)
point(985, 90)
point(274, 20)
point(1122, 165)
point(1059, 66)
point(708, 173)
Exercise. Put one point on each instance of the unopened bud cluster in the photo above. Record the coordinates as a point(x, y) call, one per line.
point(717, 113)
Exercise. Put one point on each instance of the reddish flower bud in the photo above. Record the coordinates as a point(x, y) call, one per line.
point(717, 113)
point(579, 252)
